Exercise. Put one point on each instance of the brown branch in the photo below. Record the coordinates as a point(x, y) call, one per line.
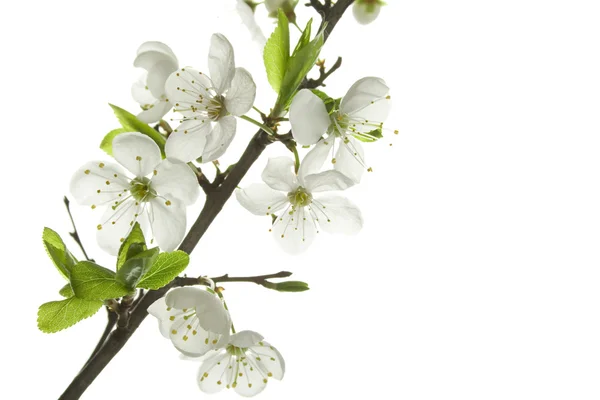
point(215, 200)
point(75, 234)
point(323, 74)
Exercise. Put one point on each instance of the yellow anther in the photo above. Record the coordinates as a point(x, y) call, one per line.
point(172, 318)
point(101, 165)
point(87, 171)
point(168, 202)
point(174, 332)
point(99, 227)
point(138, 158)
point(93, 206)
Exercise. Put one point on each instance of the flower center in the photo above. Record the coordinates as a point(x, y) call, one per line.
point(216, 108)
point(235, 351)
point(340, 124)
point(141, 190)
point(300, 198)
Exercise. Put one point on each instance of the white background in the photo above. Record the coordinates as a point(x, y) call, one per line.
point(476, 274)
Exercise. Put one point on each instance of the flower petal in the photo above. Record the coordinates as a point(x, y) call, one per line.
point(163, 313)
point(214, 373)
point(219, 139)
point(350, 159)
point(367, 99)
point(295, 229)
point(365, 13)
point(247, 16)
point(189, 91)
point(221, 62)
point(156, 112)
point(245, 338)
point(260, 199)
point(278, 174)
point(176, 177)
point(150, 53)
point(249, 379)
point(157, 77)
point(271, 359)
point(338, 215)
point(115, 225)
point(187, 142)
point(168, 221)
point(241, 94)
point(308, 117)
point(136, 152)
point(189, 338)
point(89, 184)
point(187, 297)
point(313, 161)
point(327, 181)
point(140, 92)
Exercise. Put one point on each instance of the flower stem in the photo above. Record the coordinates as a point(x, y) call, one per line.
point(260, 125)
point(225, 305)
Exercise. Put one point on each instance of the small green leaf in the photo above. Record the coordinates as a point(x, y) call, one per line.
point(56, 249)
point(66, 291)
point(369, 137)
point(304, 37)
point(93, 282)
point(106, 143)
point(134, 243)
point(166, 268)
point(58, 315)
point(290, 286)
point(136, 267)
point(298, 66)
point(277, 52)
point(131, 123)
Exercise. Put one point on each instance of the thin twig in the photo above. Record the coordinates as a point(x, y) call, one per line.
point(202, 179)
point(75, 234)
point(323, 74)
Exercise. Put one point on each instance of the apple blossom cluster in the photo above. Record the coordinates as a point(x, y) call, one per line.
point(142, 196)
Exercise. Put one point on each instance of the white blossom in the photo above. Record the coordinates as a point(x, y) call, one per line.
point(366, 11)
point(194, 319)
point(208, 104)
point(247, 17)
point(362, 110)
point(245, 365)
point(159, 61)
point(286, 5)
point(156, 194)
point(295, 199)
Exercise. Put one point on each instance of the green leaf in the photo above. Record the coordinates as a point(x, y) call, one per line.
point(58, 315)
point(277, 52)
point(290, 286)
point(134, 243)
point(369, 137)
point(106, 143)
point(56, 249)
point(66, 291)
point(131, 123)
point(93, 282)
point(298, 66)
point(136, 267)
point(166, 268)
point(304, 37)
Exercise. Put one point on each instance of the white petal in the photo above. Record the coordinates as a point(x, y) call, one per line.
point(89, 184)
point(190, 91)
point(260, 199)
point(313, 161)
point(241, 94)
point(273, 5)
point(187, 297)
point(157, 77)
point(338, 215)
point(221, 62)
point(365, 13)
point(367, 98)
point(350, 159)
point(247, 16)
point(149, 53)
point(308, 117)
point(115, 225)
point(270, 358)
point(163, 313)
point(187, 142)
point(245, 338)
point(278, 174)
point(168, 221)
point(136, 152)
point(327, 181)
point(155, 113)
point(219, 139)
point(214, 373)
point(189, 338)
point(140, 92)
point(249, 378)
point(295, 229)
point(175, 177)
